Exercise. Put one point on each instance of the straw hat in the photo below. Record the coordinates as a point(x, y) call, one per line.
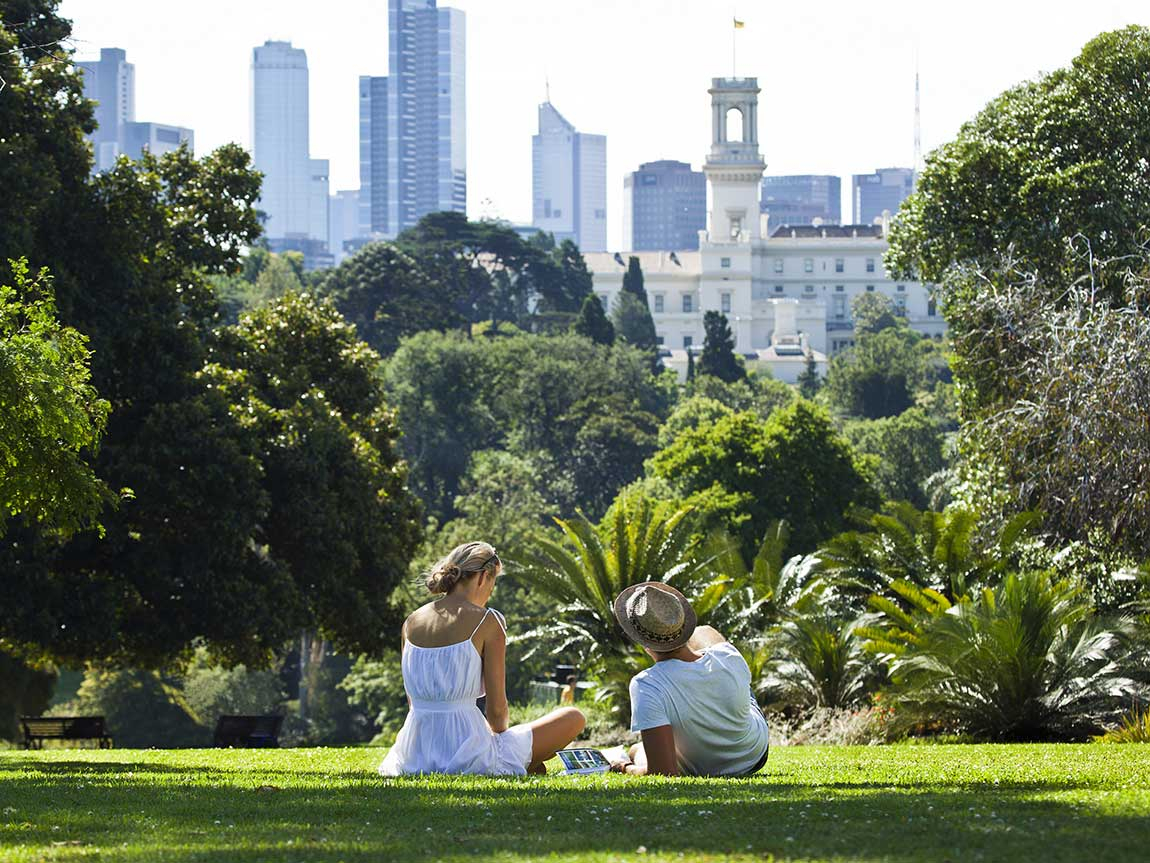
point(655, 615)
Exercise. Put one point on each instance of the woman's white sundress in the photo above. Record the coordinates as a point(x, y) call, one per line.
point(445, 732)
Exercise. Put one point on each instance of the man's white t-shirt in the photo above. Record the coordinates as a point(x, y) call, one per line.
point(719, 729)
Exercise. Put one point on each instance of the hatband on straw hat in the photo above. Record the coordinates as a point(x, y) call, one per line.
point(655, 615)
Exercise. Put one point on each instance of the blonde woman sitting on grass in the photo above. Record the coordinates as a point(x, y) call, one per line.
point(454, 651)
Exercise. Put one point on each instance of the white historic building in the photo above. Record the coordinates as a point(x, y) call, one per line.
point(785, 294)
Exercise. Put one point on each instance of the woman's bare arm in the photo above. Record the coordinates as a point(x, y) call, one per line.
point(494, 651)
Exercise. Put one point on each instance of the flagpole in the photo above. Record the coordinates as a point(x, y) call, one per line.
point(734, 66)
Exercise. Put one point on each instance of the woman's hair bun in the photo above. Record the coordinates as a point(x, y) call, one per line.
point(464, 561)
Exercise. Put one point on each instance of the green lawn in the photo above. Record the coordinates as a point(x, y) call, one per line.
point(900, 803)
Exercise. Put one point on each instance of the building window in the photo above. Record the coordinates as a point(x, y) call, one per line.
point(687, 341)
point(901, 289)
point(870, 289)
point(839, 289)
point(725, 263)
point(659, 303)
point(725, 303)
point(659, 340)
point(840, 308)
point(931, 308)
point(778, 265)
point(808, 265)
point(900, 305)
point(870, 265)
point(778, 289)
point(839, 264)
point(688, 306)
point(808, 289)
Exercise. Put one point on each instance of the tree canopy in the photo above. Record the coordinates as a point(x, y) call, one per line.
point(741, 474)
point(50, 415)
point(1052, 159)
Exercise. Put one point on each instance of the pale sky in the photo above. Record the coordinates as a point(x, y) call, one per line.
point(837, 77)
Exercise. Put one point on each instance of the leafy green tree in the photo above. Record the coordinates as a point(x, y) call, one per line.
point(50, 415)
point(43, 120)
point(1048, 160)
point(718, 359)
point(145, 236)
point(908, 450)
point(211, 690)
point(741, 474)
point(592, 410)
point(559, 275)
point(874, 312)
point(339, 516)
point(383, 290)
point(759, 392)
point(592, 322)
point(879, 376)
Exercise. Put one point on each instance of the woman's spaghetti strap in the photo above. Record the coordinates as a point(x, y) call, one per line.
point(480, 623)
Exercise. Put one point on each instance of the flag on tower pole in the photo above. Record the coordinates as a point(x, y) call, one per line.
point(739, 25)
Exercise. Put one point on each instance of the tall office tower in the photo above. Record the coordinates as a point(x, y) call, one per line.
point(280, 140)
point(569, 181)
point(343, 223)
point(372, 198)
point(665, 207)
point(426, 147)
point(885, 189)
point(799, 199)
point(111, 83)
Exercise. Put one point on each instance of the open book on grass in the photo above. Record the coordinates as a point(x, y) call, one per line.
point(590, 760)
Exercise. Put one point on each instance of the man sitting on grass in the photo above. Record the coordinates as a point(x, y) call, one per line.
point(694, 706)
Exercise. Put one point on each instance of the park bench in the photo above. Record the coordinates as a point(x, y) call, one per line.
point(248, 731)
point(37, 729)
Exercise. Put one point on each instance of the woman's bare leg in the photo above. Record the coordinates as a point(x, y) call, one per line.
point(551, 733)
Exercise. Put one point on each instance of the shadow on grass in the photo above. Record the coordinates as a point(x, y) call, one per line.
point(351, 816)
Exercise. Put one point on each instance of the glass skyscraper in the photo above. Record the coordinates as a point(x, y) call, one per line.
point(665, 207)
point(413, 123)
point(799, 199)
point(885, 189)
point(569, 182)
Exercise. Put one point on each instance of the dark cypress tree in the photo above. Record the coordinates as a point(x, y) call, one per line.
point(592, 322)
point(809, 381)
point(633, 280)
point(718, 357)
point(690, 365)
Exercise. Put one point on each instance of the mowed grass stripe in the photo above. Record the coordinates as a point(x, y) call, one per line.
point(896, 803)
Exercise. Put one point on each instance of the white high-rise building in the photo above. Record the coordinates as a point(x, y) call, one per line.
point(786, 292)
point(111, 83)
point(569, 181)
point(280, 139)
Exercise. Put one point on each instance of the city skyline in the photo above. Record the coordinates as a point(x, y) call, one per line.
point(641, 85)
